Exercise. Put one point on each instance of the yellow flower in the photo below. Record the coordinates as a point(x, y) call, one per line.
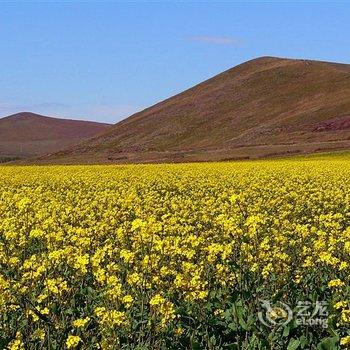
point(24, 203)
point(39, 334)
point(72, 341)
point(345, 340)
point(340, 305)
point(157, 300)
point(127, 255)
point(234, 198)
point(134, 279)
point(218, 312)
point(127, 300)
point(345, 316)
point(81, 263)
point(336, 283)
point(343, 265)
point(81, 322)
point(56, 285)
point(110, 317)
point(16, 344)
point(179, 331)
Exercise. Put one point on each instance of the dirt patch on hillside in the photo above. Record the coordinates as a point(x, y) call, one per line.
point(334, 124)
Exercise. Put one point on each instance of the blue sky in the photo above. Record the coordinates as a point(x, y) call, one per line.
point(105, 60)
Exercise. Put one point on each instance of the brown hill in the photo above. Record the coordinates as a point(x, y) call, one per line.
point(266, 106)
point(27, 134)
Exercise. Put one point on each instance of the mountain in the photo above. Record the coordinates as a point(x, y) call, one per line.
point(265, 107)
point(27, 134)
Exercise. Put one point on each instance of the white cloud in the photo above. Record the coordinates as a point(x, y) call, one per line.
point(218, 40)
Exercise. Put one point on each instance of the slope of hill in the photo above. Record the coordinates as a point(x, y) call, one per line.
point(266, 106)
point(27, 134)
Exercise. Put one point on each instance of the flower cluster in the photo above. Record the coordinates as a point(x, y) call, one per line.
point(171, 256)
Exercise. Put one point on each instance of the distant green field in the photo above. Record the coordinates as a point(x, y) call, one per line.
point(334, 155)
point(327, 155)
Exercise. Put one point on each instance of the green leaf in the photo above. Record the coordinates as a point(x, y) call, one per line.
point(286, 330)
point(303, 341)
point(293, 344)
point(232, 326)
point(328, 344)
point(196, 346)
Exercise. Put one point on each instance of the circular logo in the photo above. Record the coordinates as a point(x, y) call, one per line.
point(274, 315)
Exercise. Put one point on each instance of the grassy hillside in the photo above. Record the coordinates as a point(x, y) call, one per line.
point(264, 107)
point(27, 134)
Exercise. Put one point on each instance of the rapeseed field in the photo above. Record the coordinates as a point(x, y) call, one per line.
point(242, 255)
